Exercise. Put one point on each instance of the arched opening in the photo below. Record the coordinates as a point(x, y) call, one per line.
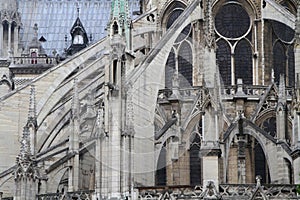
point(283, 52)
point(224, 61)
point(289, 171)
point(185, 65)
point(279, 61)
point(246, 160)
point(180, 59)
point(261, 167)
point(64, 182)
point(161, 170)
point(195, 160)
point(243, 62)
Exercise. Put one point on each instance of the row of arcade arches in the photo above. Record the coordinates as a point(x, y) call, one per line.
point(255, 157)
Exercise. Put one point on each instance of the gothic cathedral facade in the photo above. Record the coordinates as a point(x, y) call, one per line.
point(149, 99)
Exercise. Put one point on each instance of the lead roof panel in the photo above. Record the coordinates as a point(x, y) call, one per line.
point(55, 19)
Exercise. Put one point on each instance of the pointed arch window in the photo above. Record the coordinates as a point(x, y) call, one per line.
point(180, 59)
point(234, 46)
point(279, 61)
point(243, 62)
point(283, 52)
point(269, 126)
point(224, 61)
point(185, 65)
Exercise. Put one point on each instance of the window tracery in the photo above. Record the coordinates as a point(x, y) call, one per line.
point(232, 21)
point(269, 126)
point(234, 43)
point(283, 52)
point(180, 59)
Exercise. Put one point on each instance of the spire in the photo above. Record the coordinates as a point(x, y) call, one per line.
point(119, 9)
point(32, 106)
point(120, 15)
point(78, 11)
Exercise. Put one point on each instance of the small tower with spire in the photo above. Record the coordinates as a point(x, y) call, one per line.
point(79, 36)
point(119, 32)
point(119, 26)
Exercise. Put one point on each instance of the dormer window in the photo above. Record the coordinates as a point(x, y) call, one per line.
point(78, 39)
point(33, 57)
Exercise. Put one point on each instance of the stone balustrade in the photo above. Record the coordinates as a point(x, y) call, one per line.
point(34, 60)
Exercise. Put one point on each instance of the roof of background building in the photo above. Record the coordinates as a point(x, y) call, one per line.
point(55, 19)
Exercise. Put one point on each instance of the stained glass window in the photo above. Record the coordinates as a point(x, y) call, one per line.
point(185, 65)
point(173, 16)
point(243, 62)
point(279, 60)
point(283, 52)
point(269, 126)
point(233, 24)
point(224, 61)
point(283, 32)
point(232, 21)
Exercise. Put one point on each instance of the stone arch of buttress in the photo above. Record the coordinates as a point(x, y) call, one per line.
point(269, 147)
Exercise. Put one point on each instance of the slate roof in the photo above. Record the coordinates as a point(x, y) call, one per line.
point(55, 19)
